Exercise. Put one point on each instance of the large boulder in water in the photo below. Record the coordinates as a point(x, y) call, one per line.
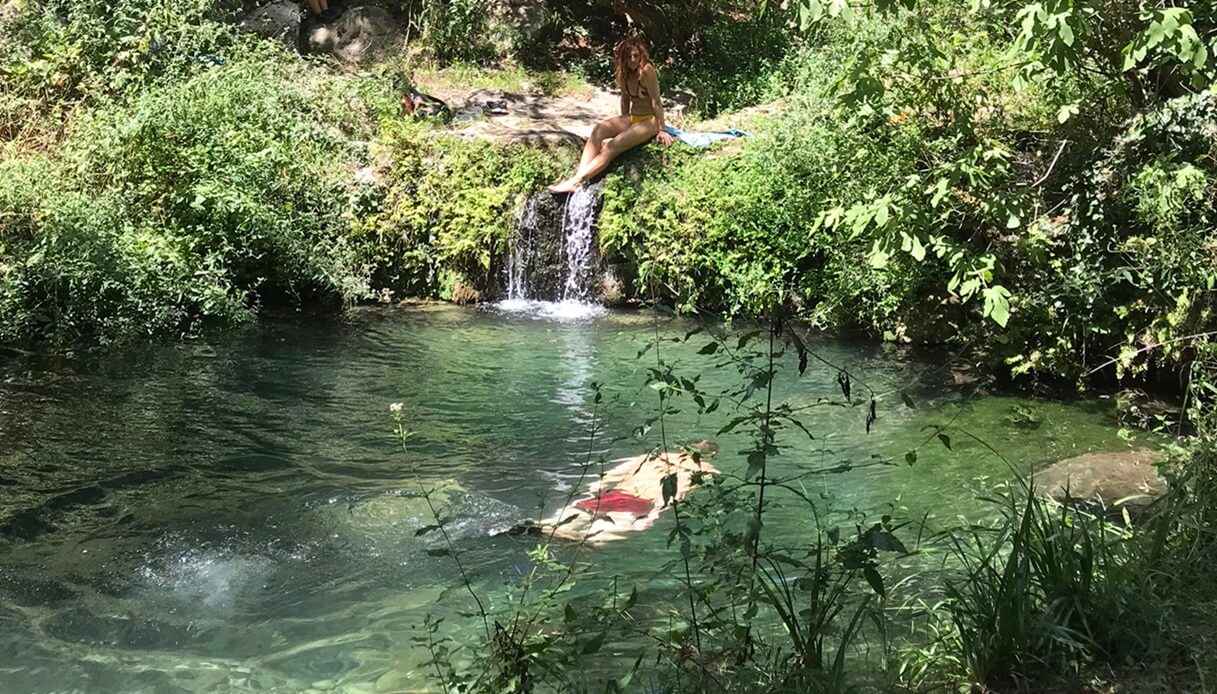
point(1109, 479)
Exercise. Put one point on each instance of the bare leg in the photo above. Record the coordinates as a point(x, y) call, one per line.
point(635, 135)
point(593, 148)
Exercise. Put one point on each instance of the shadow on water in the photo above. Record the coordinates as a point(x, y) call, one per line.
point(235, 514)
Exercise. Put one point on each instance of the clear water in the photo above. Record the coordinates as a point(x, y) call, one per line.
point(236, 516)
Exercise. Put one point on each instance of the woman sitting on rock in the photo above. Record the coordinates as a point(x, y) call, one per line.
point(640, 121)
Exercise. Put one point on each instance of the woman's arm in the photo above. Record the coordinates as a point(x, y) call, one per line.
point(625, 100)
point(651, 80)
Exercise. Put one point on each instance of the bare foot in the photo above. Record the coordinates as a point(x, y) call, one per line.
point(567, 186)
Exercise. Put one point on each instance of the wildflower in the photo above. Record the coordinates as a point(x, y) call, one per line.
point(395, 407)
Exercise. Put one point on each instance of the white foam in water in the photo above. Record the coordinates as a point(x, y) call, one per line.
point(209, 577)
point(553, 310)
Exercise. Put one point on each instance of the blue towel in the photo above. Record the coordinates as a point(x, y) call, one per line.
point(703, 139)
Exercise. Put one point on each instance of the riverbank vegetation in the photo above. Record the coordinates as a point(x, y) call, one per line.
point(1044, 198)
point(1032, 184)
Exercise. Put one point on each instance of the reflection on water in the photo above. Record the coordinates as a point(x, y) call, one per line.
point(236, 515)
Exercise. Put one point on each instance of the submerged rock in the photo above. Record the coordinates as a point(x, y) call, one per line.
point(406, 509)
point(1113, 480)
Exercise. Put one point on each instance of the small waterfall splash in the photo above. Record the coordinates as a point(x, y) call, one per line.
point(553, 257)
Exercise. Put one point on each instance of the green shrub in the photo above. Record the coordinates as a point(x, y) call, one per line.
point(450, 204)
point(1044, 588)
point(736, 229)
point(733, 63)
point(75, 267)
point(201, 200)
point(458, 30)
point(1130, 262)
point(61, 52)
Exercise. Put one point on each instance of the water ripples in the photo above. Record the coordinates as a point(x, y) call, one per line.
point(238, 514)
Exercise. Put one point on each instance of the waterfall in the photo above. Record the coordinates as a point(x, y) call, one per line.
point(517, 259)
point(578, 228)
point(552, 261)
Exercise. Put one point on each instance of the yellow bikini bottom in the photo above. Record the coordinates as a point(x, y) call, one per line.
point(641, 119)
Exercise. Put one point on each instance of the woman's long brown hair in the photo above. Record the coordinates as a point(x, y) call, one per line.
point(622, 53)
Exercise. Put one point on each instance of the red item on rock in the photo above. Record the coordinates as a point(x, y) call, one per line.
point(616, 501)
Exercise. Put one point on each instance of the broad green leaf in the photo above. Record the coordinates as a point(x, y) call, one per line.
point(1065, 32)
point(881, 213)
point(997, 304)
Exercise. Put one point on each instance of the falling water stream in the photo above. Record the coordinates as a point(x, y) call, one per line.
point(578, 227)
point(552, 263)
